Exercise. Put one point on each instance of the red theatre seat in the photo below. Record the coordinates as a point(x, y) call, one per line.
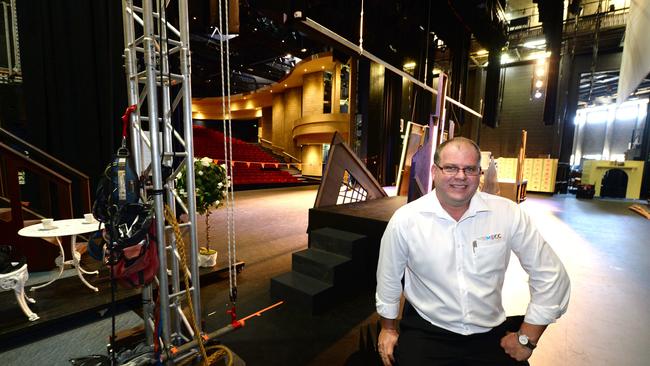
point(248, 159)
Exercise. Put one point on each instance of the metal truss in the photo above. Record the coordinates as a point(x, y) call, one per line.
point(157, 67)
point(10, 70)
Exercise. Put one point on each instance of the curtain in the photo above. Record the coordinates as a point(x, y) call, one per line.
point(74, 82)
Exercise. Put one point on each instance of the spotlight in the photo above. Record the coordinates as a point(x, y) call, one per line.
point(409, 65)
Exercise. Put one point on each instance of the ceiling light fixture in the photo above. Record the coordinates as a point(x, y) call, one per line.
point(303, 50)
point(409, 65)
point(535, 44)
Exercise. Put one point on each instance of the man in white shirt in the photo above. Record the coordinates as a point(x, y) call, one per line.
point(452, 248)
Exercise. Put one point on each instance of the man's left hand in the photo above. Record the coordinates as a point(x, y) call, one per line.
point(511, 345)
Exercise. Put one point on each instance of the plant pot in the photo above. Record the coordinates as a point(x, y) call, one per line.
point(207, 260)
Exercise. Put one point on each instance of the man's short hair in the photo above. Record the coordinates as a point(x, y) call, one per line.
point(457, 140)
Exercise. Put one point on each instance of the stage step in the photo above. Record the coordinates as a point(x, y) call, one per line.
point(337, 241)
point(323, 266)
point(302, 292)
point(323, 273)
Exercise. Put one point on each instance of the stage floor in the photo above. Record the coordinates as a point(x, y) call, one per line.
point(67, 302)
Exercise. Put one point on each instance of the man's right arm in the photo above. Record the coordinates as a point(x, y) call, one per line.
point(387, 340)
point(393, 255)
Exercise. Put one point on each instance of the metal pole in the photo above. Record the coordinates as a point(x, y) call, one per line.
point(168, 154)
point(130, 68)
point(189, 149)
point(152, 104)
point(14, 37)
point(8, 44)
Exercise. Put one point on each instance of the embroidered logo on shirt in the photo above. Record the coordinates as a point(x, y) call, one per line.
point(492, 237)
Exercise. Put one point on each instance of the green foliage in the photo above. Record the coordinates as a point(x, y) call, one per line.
point(211, 183)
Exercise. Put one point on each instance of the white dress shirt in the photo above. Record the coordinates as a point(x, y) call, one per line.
point(454, 271)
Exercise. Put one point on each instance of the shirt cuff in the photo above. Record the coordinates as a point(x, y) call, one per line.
point(542, 315)
point(386, 310)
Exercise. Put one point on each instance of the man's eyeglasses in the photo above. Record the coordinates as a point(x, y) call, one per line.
point(469, 171)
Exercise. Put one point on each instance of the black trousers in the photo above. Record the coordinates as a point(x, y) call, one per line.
point(420, 343)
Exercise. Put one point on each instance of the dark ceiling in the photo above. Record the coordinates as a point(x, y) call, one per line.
point(394, 30)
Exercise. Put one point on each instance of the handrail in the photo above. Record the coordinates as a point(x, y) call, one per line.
point(25, 162)
point(280, 149)
point(15, 161)
point(27, 209)
point(291, 156)
point(584, 23)
point(84, 180)
point(48, 156)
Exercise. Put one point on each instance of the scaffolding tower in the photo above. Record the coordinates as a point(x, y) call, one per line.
point(157, 67)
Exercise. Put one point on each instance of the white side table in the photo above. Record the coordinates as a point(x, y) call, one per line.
point(16, 281)
point(69, 227)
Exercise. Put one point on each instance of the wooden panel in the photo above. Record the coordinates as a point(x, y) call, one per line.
point(312, 93)
point(540, 173)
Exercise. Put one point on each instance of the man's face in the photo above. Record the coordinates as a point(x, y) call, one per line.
point(456, 190)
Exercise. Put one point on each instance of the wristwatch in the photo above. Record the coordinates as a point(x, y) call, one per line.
point(525, 341)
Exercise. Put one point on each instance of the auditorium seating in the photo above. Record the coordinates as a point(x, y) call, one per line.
point(248, 157)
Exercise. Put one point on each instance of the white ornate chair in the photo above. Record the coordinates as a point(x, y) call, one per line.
point(16, 281)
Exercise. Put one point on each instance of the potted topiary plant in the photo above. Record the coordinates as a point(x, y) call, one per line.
point(211, 186)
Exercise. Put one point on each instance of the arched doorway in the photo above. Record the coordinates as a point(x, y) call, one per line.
point(614, 184)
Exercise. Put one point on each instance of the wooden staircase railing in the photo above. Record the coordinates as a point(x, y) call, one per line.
point(56, 184)
point(80, 181)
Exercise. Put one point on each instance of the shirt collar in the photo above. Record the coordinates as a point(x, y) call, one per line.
point(430, 203)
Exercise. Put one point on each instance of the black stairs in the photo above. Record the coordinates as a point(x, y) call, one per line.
point(322, 273)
